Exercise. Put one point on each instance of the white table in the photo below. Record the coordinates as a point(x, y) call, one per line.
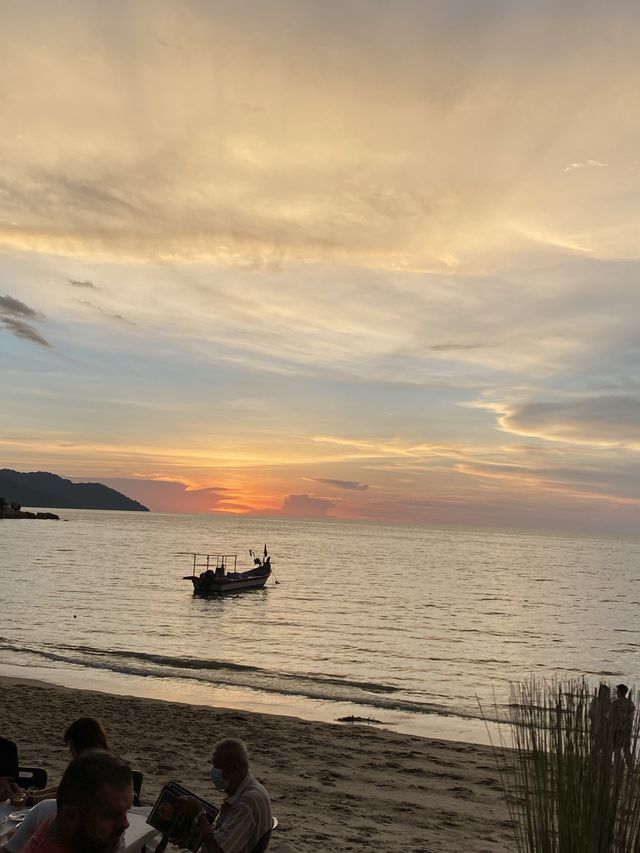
point(136, 836)
point(5, 810)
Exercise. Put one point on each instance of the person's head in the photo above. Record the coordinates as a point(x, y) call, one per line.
point(86, 733)
point(604, 692)
point(230, 764)
point(622, 690)
point(93, 799)
point(8, 768)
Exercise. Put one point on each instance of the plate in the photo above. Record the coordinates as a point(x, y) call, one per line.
point(18, 817)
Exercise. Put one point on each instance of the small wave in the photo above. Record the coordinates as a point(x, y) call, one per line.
point(164, 660)
point(216, 665)
point(318, 687)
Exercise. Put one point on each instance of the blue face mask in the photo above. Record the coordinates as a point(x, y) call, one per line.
point(218, 779)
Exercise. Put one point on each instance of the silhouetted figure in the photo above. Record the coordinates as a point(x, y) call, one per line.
point(8, 769)
point(621, 722)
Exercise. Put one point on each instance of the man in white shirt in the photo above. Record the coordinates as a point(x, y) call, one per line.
point(245, 815)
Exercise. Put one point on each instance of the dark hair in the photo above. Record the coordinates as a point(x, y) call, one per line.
point(86, 733)
point(8, 758)
point(86, 774)
point(622, 688)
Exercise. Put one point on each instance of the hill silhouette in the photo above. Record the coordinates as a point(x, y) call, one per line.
point(41, 489)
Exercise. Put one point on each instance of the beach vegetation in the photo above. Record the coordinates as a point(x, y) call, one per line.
point(568, 787)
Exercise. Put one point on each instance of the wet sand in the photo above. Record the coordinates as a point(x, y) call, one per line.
point(333, 787)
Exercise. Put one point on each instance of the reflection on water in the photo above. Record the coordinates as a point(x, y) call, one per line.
point(406, 624)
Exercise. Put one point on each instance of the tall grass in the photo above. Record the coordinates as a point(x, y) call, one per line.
point(567, 789)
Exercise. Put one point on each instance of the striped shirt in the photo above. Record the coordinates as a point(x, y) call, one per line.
point(244, 817)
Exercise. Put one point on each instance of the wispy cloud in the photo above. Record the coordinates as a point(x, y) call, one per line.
point(585, 165)
point(9, 306)
point(76, 283)
point(599, 420)
point(23, 330)
point(106, 312)
point(12, 312)
point(348, 485)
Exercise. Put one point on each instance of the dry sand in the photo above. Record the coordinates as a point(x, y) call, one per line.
point(333, 787)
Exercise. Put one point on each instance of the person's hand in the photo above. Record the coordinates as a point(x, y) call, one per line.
point(9, 789)
point(18, 796)
point(5, 788)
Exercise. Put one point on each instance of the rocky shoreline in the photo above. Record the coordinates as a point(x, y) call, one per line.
point(14, 510)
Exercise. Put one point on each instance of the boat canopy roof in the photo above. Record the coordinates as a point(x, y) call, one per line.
point(214, 561)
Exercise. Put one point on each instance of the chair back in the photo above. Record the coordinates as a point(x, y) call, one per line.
point(137, 786)
point(32, 777)
point(263, 844)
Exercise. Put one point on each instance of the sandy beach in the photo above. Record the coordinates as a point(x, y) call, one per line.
point(333, 787)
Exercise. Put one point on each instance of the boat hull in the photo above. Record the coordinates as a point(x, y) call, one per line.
point(226, 585)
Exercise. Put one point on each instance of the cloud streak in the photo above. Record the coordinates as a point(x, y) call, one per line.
point(75, 283)
point(347, 485)
point(606, 420)
point(12, 314)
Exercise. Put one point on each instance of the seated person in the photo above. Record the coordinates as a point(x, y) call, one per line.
point(85, 733)
point(8, 769)
point(94, 796)
point(245, 814)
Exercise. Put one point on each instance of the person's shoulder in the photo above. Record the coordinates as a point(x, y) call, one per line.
point(41, 842)
point(45, 808)
point(256, 792)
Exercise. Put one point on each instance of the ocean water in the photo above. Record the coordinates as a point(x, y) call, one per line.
point(416, 627)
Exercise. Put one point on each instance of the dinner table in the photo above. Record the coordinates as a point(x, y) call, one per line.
point(136, 837)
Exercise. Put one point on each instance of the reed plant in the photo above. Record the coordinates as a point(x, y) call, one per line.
point(568, 789)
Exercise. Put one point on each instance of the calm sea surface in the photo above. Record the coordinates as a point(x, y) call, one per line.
point(408, 625)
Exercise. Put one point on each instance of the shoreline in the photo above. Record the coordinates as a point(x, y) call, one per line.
point(191, 692)
point(333, 786)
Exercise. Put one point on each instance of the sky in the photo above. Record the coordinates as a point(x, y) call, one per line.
point(350, 259)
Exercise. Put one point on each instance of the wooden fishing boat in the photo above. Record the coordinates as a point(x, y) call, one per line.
point(217, 574)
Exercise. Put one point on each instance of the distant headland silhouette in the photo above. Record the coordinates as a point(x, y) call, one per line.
point(42, 489)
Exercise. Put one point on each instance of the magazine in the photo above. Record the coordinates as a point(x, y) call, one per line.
point(166, 818)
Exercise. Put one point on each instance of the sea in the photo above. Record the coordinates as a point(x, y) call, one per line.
point(422, 630)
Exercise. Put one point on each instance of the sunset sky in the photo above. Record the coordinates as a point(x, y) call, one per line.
point(352, 259)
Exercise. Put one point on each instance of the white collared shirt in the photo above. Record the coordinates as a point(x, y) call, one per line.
point(244, 817)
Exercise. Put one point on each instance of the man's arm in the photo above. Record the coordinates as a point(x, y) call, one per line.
point(209, 843)
point(193, 809)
